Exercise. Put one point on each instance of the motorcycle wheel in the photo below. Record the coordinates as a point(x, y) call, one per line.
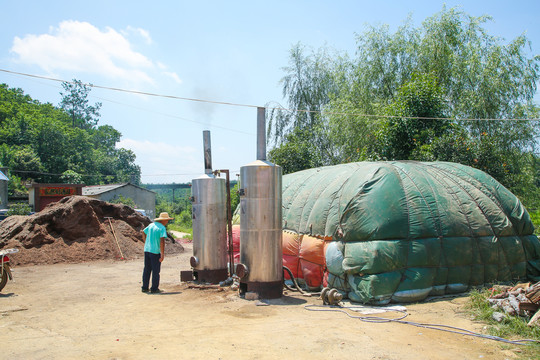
point(4, 279)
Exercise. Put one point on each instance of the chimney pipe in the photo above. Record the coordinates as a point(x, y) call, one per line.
point(261, 133)
point(207, 152)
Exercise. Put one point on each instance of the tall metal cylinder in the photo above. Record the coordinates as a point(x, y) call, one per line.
point(209, 213)
point(261, 249)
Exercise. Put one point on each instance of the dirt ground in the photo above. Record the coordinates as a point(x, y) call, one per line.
point(96, 310)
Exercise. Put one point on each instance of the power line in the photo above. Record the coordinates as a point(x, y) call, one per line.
point(270, 108)
point(54, 174)
point(133, 91)
point(176, 117)
point(131, 106)
point(105, 175)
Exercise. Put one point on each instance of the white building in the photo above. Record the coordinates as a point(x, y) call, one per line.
point(145, 199)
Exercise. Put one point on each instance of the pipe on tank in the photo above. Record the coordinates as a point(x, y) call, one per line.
point(207, 152)
point(229, 220)
point(261, 133)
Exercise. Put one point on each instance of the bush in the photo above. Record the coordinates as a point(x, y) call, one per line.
point(19, 209)
point(184, 219)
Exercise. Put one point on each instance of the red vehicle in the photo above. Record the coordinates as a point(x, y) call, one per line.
point(5, 270)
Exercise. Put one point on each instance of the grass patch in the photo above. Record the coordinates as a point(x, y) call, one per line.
point(512, 328)
point(181, 228)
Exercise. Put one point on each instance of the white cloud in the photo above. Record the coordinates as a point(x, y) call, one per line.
point(141, 32)
point(161, 162)
point(173, 76)
point(81, 47)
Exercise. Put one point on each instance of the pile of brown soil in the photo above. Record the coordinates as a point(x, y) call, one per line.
point(77, 229)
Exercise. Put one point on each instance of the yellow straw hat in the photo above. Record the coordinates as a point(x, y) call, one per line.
point(163, 216)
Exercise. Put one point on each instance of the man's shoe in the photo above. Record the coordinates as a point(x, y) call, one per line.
point(157, 291)
point(144, 290)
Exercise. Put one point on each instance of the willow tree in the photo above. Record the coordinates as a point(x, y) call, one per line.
point(308, 86)
point(481, 77)
point(485, 84)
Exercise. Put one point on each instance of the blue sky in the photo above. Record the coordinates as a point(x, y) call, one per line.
point(229, 51)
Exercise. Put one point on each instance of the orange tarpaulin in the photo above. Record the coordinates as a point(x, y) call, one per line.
point(304, 255)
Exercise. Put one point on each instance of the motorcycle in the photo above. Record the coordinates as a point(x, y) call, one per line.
point(5, 270)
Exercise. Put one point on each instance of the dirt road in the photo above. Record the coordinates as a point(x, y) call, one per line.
point(97, 311)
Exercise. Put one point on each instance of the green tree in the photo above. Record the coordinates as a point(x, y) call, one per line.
point(235, 197)
point(185, 219)
point(52, 147)
point(9, 100)
point(308, 86)
point(71, 177)
point(450, 67)
point(481, 77)
point(421, 104)
point(16, 186)
point(39, 142)
point(126, 169)
point(295, 153)
point(105, 137)
point(22, 158)
point(75, 103)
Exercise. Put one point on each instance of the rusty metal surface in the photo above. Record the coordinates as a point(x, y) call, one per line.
point(211, 276)
point(241, 270)
point(265, 290)
point(186, 275)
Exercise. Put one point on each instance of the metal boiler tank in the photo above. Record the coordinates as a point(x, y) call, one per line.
point(209, 213)
point(261, 250)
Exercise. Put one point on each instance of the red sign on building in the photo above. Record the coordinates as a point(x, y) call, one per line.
point(57, 191)
point(45, 194)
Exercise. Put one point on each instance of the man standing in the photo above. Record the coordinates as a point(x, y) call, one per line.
point(154, 251)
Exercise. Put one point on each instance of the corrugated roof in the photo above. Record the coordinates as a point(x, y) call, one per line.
point(3, 176)
point(100, 189)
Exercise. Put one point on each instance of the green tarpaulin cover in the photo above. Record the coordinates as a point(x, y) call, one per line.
point(406, 230)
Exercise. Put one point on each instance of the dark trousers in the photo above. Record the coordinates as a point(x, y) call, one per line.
point(151, 265)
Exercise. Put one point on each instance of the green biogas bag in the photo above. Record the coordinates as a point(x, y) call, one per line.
point(405, 230)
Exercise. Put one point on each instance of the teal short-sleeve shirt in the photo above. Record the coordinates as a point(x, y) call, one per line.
point(154, 232)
